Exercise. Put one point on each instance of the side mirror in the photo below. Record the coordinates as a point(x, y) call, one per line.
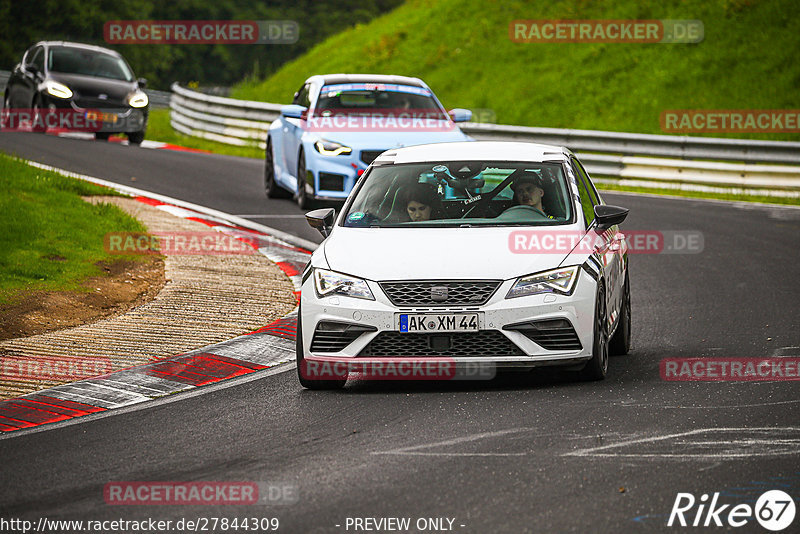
point(293, 111)
point(321, 220)
point(142, 83)
point(608, 216)
point(460, 115)
point(33, 69)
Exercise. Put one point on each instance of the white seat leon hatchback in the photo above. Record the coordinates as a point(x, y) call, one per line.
point(453, 257)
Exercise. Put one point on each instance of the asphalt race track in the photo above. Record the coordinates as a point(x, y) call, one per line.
point(536, 452)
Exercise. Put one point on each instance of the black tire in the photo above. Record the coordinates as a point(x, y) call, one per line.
point(307, 382)
point(39, 125)
point(300, 196)
point(620, 343)
point(272, 189)
point(597, 367)
point(136, 138)
point(102, 136)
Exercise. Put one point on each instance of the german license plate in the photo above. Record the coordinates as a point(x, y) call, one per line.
point(437, 322)
point(103, 117)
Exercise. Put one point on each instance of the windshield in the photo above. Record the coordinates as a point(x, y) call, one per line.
point(71, 60)
point(376, 98)
point(459, 193)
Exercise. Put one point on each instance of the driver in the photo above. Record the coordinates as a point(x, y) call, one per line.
point(528, 191)
point(421, 202)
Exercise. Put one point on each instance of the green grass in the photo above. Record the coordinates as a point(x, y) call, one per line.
point(51, 238)
point(462, 49)
point(700, 194)
point(159, 129)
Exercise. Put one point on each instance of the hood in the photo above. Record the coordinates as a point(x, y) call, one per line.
point(390, 139)
point(91, 86)
point(457, 253)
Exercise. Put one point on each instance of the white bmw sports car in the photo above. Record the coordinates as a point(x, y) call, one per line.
point(338, 123)
point(493, 253)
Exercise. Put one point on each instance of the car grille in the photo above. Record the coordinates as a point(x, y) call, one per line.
point(482, 343)
point(459, 293)
point(368, 156)
point(551, 334)
point(331, 336)
point(88, 102)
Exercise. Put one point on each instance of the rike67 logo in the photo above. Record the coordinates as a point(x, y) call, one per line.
point(774, 510)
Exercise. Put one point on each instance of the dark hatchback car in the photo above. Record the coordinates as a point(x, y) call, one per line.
point(91, 80)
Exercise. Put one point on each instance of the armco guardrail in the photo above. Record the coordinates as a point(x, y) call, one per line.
point(707, 172)
point(227, 120)
point(614, 154)
point(158, 99)
point(627, 144)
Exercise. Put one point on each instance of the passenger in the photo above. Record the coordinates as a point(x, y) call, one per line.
point(421, 202)
point(529, 191)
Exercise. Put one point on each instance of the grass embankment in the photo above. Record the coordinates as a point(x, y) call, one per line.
point(159, 129)
point(50, 239)
point(462, 49)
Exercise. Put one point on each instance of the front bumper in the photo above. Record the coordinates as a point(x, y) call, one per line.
point(117, 120)
point(111, 117)
point(497, 317)
point(335, 176)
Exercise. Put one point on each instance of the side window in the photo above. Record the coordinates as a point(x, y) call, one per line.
point(28, 56)
point(587, 194)
point(301, 98)
point(35, 57)
point(589, 185)
point(38, 59)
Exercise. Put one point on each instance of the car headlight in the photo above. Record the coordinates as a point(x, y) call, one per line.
point(556, 281)
point(331, 283)
point(331, 148)
point(138, 99)
point(58, 90)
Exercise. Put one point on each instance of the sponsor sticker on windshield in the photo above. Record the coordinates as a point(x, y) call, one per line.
point(392, 87)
